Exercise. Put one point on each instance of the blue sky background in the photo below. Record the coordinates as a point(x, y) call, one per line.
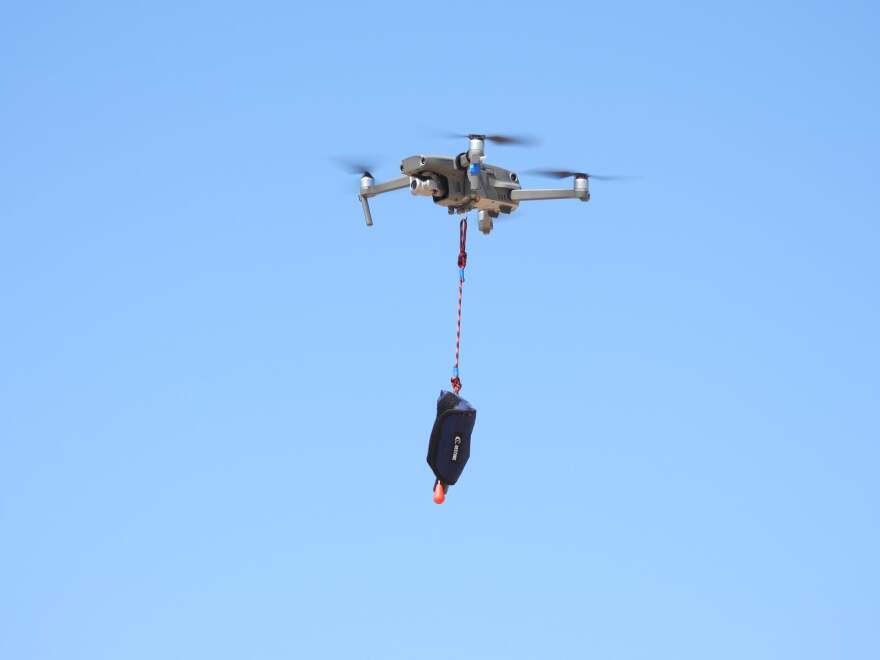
point(216, 385)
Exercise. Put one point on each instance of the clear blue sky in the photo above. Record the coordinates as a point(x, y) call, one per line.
point(216, 384)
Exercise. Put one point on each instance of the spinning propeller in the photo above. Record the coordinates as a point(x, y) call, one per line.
point(355, 167)
point(564, 174)
point(520, 140)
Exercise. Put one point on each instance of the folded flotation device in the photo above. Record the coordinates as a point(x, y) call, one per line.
point(450, 444)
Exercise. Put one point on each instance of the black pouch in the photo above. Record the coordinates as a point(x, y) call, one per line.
point(450, 445)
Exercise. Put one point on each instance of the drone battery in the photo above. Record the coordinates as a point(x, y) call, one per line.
point(450, 444)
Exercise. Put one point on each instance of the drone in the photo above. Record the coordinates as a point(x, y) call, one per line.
point(466, 182)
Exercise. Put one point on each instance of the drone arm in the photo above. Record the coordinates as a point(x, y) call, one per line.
point(371, 190)
point(387, 186)
point(549, 193)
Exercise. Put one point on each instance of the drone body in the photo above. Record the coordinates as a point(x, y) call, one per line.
point(467, 182)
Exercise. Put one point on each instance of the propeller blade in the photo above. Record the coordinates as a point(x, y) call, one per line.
point(611, 177)
point(552, 174)
point(497, 138)
point(564, 174)
point(521, 140)
point(358, 167)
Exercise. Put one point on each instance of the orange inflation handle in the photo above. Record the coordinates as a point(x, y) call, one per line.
point(439, 492)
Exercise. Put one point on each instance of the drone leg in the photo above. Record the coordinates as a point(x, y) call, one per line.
point(366, 205)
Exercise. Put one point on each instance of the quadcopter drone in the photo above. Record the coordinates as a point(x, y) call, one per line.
point(467, 182)
point(464, 183)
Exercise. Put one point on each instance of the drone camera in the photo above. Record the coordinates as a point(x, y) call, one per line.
point(429, 187)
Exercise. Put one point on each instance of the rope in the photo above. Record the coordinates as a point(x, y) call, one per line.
point(462, 263)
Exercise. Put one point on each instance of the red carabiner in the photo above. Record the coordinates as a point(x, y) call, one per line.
point(462, 243)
